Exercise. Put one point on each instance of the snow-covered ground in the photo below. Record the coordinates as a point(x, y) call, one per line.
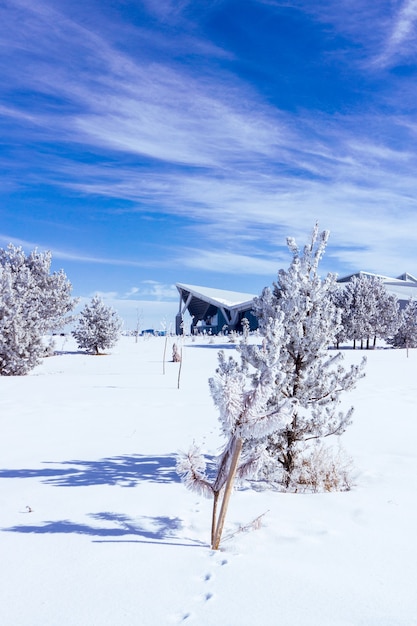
point(97, 530)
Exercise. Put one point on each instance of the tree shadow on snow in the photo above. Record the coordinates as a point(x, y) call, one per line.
point(125, 471)
point(62, 352)
point(144, 529)
point(212, 346)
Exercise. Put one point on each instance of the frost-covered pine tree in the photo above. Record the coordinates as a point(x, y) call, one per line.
point(32, 302)
point(20, 339)
point(98, 327)
point(386, 318)
point(341, 299)
point(406, 335)
point(358, 310)
point(311, 377)
point(242, 399)
point(48, 295)
point(284, 394)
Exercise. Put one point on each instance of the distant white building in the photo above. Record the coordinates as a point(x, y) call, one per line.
point(404, 287)
point(212, 310)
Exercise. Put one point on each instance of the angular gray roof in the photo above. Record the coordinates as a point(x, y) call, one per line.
point(219, 297)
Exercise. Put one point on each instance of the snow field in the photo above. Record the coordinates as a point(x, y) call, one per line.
point(113, 537)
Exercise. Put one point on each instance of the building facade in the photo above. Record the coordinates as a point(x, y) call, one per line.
point(213, 310)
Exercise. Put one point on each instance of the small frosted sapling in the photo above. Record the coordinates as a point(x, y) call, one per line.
point(246, 419)
point(98, 327)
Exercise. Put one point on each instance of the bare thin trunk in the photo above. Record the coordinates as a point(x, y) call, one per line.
point(216, 495)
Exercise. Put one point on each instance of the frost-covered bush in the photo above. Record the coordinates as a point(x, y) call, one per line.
point(98, 327)
point(32, 302)
point(319, 469)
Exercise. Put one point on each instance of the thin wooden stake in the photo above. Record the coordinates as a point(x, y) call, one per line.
point(165, 350)
point(179, 370)
point(227, 493)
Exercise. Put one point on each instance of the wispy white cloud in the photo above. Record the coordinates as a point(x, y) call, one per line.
point(77, 256)
point(400, 41)
point(166, 112)
point(9, 111)
point(133, 291)
point(149, 290)
point(161, 111)
point(242, 172)
point(167, 10)
point(81, 258)
point(221, 261)
point(157, 290)
point(104, 295)
point(377, 34)
point(365, 194)
point(404, 25)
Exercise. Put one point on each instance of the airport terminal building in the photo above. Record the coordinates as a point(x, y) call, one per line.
point(214, 310)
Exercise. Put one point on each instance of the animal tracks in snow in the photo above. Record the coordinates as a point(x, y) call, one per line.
point(205, 593)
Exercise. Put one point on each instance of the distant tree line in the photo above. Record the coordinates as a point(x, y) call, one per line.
point(369, 312)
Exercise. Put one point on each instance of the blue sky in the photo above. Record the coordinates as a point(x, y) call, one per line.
point(152, 142)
